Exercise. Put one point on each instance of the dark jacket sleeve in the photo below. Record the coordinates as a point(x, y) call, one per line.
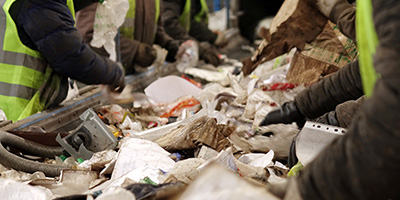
point(162, 38)
point(200, 30)
point(50, 26)
point(365, 163)
point(344, 15)
point(325, 95)
point(171, 12)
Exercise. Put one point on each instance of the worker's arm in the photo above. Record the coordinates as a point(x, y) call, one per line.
point(201, 32)
point(325, 95)
point(344, 15)
point(49, 28)
point(365, 163)
point(164, 40)
point(171, 12)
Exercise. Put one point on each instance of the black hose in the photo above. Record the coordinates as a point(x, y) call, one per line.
point(11, 160)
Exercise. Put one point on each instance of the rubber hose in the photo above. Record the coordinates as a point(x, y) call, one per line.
point(11, 160)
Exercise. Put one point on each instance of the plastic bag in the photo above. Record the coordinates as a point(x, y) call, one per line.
point(187, 56)
point(109, 16)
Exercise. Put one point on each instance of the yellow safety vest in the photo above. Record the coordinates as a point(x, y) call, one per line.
point(367, 41)
point(128, 27)
point(27, 82)
point(185, 17)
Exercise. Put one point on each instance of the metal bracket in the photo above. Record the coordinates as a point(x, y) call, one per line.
point(89, 137)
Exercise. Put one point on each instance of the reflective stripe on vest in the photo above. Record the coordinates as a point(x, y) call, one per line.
point(202, 16)
point(128, 27)
point(27, 83)
point(367, 41)
point(184, 18)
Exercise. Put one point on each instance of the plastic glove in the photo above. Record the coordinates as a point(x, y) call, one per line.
point(326, 6)
point(287, 114)
point(119, 84)
point(145, 55)
point(209, 54)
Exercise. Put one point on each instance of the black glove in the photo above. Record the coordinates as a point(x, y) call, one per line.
point(172, 47)
point(328, 118)
point(145, 55)
point(209, 54)
point(118, 84)
point(287, 114)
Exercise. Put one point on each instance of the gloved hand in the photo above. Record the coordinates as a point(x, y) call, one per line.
point(209, 54)
point(287, 114)
point(329, 119)
point(145, 55)
point(221, 40)
point(118, 84)
point(326, 6)
point(172, 47)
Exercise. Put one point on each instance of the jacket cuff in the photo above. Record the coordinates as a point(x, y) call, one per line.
point(337, 11)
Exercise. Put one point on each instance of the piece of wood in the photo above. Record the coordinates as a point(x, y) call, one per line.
point(296, 23)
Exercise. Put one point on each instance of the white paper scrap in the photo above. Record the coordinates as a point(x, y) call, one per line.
point(143, 157)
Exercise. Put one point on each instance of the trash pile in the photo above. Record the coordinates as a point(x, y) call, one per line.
point(181, 141)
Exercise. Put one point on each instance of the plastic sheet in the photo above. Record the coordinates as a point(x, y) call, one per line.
point(109, 16)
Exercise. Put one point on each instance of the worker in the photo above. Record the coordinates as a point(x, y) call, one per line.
point(188, 19)
point(41, 48)
point(335, 100)
point(364, 163)
point(142, 28)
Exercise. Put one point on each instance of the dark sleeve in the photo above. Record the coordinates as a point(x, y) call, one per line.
point(201, 32)
point(129, 49)
point(325, 95)
point(344, 15)
point(365, 163)
point(51, 28)
point(162, 38)
point(171, 13)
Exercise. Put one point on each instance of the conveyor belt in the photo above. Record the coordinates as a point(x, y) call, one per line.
point(66, 117)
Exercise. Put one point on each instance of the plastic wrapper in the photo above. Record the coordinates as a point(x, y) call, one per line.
point(109, 16)
point(265, 70)
point(3, 116)
point(238, 89)
point(258, 159)
point(116, 193)
point(170, 88)
point(175, 108)
point(216, 182)
point(255, 101)
point(160, 59)
point(10, 189)
point(187, 56)
point(276, 137)
point(98, 160)
point(136, 160)
point(184, 171)
point(210, 91)
point(220, 76)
